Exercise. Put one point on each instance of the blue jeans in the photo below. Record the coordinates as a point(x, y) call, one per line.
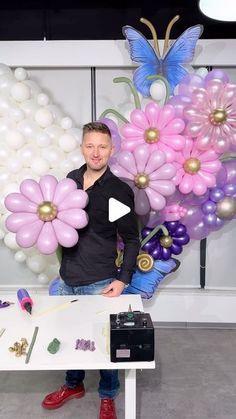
point(109, 383)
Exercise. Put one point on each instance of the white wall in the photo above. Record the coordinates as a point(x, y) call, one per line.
point(63, 71)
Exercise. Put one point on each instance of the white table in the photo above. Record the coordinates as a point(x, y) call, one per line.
point(88, 318)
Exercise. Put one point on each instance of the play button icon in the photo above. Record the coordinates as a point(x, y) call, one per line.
point(116, 210)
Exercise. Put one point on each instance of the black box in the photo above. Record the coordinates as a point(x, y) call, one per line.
point(131, 337)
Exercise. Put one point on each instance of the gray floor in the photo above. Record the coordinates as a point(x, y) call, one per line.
point(195, 378)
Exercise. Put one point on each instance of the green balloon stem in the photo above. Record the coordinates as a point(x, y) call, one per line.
point(158, 77)
point(153, 232)
point(132, 88)
point(116, 113)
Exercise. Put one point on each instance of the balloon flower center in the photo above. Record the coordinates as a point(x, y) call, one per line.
point(141, 180)
point(218, 116)
point(47, 211)
point(226, 208)
point(151, 135)
point(192, 165)
point(166, 241)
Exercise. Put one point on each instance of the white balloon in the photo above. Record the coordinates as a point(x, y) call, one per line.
point(43, 117)
point(20, 92)
point(77, 133)
point(202, 71)
point(5, 105)
point(54, 155)
point(54, 131)
point(14, 164)
point(28, 128)
point(10, 187)
point(39, 166)
point(66, 123)
point(15, 139)
point(2, 234)
point(36, 263)
point(29, 107)
point(66, 166)
point(158, 90)
point(3, 222)
point(20, 73)
point(5, 153)
point(16, 114)
point(6, 83)
point(34, 87)
point(67, 143)
point(43, 99)
point(5, 125)
point(27, 153)
point(43, 139)
point(10, 241)
point(56, 112)
point(4, 176)
point(25, 173)
point(20, 256)
point(43, 278)
point(4, 69)
point(76, 158)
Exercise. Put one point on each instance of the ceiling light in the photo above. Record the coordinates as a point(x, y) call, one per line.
point(219, 9)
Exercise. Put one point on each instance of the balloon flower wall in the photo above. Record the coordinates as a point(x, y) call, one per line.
point(37, 139)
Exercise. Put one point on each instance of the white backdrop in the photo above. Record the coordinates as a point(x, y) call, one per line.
point(63, 70)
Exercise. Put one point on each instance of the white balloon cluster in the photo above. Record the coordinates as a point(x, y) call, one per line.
point(36, 139)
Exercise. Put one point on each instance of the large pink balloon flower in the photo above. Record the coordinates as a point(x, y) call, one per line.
point(156, 126)
point(196, 170)
point(47, 213)
point(212, 116)
point(149, 176)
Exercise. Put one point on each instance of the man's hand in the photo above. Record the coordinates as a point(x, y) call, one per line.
point(114, 289)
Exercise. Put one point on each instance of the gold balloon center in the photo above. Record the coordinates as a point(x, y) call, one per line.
point(166, 241)
point(47, 211)
point(151, 135)
point(192, 165)
point(141, 180)
point(226, 208)
point(218, 116)
point(145, 262)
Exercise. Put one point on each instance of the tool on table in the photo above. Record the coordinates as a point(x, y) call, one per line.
point(25, 300)
point(4, 304)
point(131, 336)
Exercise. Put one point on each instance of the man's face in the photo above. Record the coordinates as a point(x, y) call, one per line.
point(96, 148)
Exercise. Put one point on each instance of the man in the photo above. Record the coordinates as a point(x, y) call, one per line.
point(89, 267)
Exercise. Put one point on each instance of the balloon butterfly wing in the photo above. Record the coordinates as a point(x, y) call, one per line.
point(146, 283)
point(170, 66)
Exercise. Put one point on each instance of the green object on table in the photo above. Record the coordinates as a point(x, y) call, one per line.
point(53, 346)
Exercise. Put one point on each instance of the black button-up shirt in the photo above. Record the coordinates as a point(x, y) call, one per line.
point(92, 259)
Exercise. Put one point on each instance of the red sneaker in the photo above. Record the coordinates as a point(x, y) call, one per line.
point(59, 397)
point(107, 409)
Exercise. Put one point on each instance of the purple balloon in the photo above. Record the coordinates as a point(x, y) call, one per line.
point(180, 231)
point(176, 249)
point(221, 176)
point(230, 167)
point(209, 220)
point(217, 73)
point(198, 231)
point(150, 246)
point(181, 241)
point(229, 189)
point(165, 253)
point(216, 194)
point(208, 207)
point(156, 253)
point(171, 226)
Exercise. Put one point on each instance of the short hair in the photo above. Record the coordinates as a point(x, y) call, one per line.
point(97, 127)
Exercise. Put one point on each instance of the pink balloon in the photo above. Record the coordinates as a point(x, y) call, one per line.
point(167, 171)
point(179, 102)
point(64, 187)
point(31, 190)
point(174, 127)
point(152, 111)
point(126, 160)
point(16, 220)
point(141, 154)
point(157, 201)
point(217, 73)
point(66, 235)
point(139, 119)
point(75, 199)
point(167, 113)
point(74, 217)
point(48, 184)
point(130, 131)
point(186, 184)
point(119, 171)
point(164, 187)
point(47, 242)
point(141, 201)
point(156, 160)
point(28, 234)
point(16, 202)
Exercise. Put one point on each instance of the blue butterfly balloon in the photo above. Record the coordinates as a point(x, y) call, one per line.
point(170, 66)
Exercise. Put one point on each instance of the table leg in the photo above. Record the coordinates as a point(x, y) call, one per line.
point(130, 394)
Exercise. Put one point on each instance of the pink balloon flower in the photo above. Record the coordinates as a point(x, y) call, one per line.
point(47, 213)
point(196, 170)
point(149, 176)
point(156, 126)
point(212, 116)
